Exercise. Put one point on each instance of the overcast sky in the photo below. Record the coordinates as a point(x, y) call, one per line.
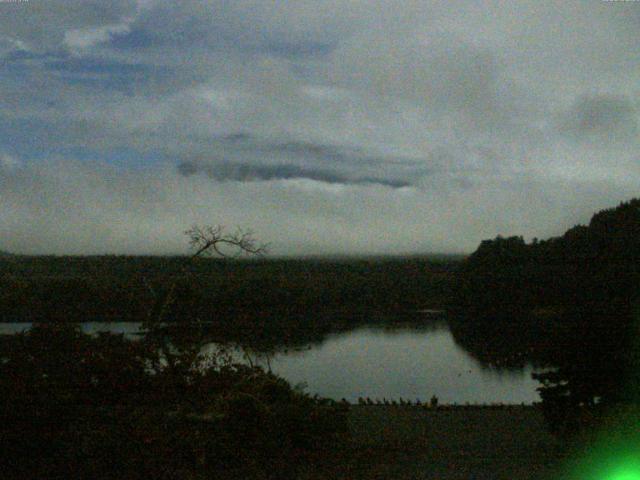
point(332, 126)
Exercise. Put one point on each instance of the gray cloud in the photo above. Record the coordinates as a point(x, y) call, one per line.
point(248, 172)
point(602, 118)
point(41, 25)
point(104, 209)
point(284, 160)
point(442, 122)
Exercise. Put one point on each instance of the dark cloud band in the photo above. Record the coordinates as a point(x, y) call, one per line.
point(244, 172)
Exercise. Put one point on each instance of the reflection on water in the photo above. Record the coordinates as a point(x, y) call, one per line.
point(381, 362)
point(406, 363)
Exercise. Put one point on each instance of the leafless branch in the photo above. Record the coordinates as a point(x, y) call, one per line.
point(204, 241)
point(209, 240)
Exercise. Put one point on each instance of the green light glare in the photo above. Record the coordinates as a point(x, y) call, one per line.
point(606, 467)
point(635, 475)
point(614, 455)
point(626, 472)
point(612, 452)
point(627, 468)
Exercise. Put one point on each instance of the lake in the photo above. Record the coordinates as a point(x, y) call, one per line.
point(379, 363)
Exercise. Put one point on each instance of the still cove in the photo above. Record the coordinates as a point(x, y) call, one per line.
point(379, 363)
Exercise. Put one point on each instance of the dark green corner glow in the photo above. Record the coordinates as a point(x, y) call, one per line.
point(615, 455)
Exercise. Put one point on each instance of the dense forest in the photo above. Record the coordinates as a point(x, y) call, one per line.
point(263, 302)
point(118, 288)
point(569, 302)
point(591, 265)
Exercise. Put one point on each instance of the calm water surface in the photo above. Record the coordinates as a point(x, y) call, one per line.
point(401, 363)
point(383, 363)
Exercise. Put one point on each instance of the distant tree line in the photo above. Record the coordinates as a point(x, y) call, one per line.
point(118, 288)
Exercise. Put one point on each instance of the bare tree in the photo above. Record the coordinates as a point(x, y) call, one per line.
point(209, 240)
point(204, 241)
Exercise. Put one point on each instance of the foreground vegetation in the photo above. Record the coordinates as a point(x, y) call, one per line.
point(76, 406)
point(103, 407)
point(111, 407)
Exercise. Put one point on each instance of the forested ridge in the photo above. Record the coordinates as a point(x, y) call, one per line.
point(588, 264)
point(569, 302)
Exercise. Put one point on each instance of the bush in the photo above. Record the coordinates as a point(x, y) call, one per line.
point(77, 406)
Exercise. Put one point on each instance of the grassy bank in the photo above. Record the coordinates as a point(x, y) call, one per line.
point(448, 443)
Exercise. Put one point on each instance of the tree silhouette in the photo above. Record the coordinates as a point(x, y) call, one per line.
point(74, 405)
point(588, 280)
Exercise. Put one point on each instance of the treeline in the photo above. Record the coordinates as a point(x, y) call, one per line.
point(569, 302)
point(125, 288)
point(588, 264)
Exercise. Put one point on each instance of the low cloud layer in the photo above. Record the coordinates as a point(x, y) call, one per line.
point(332, 127)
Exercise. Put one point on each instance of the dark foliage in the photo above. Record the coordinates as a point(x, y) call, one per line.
point(119, 288)
point(77, 406)
point(567, 302)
